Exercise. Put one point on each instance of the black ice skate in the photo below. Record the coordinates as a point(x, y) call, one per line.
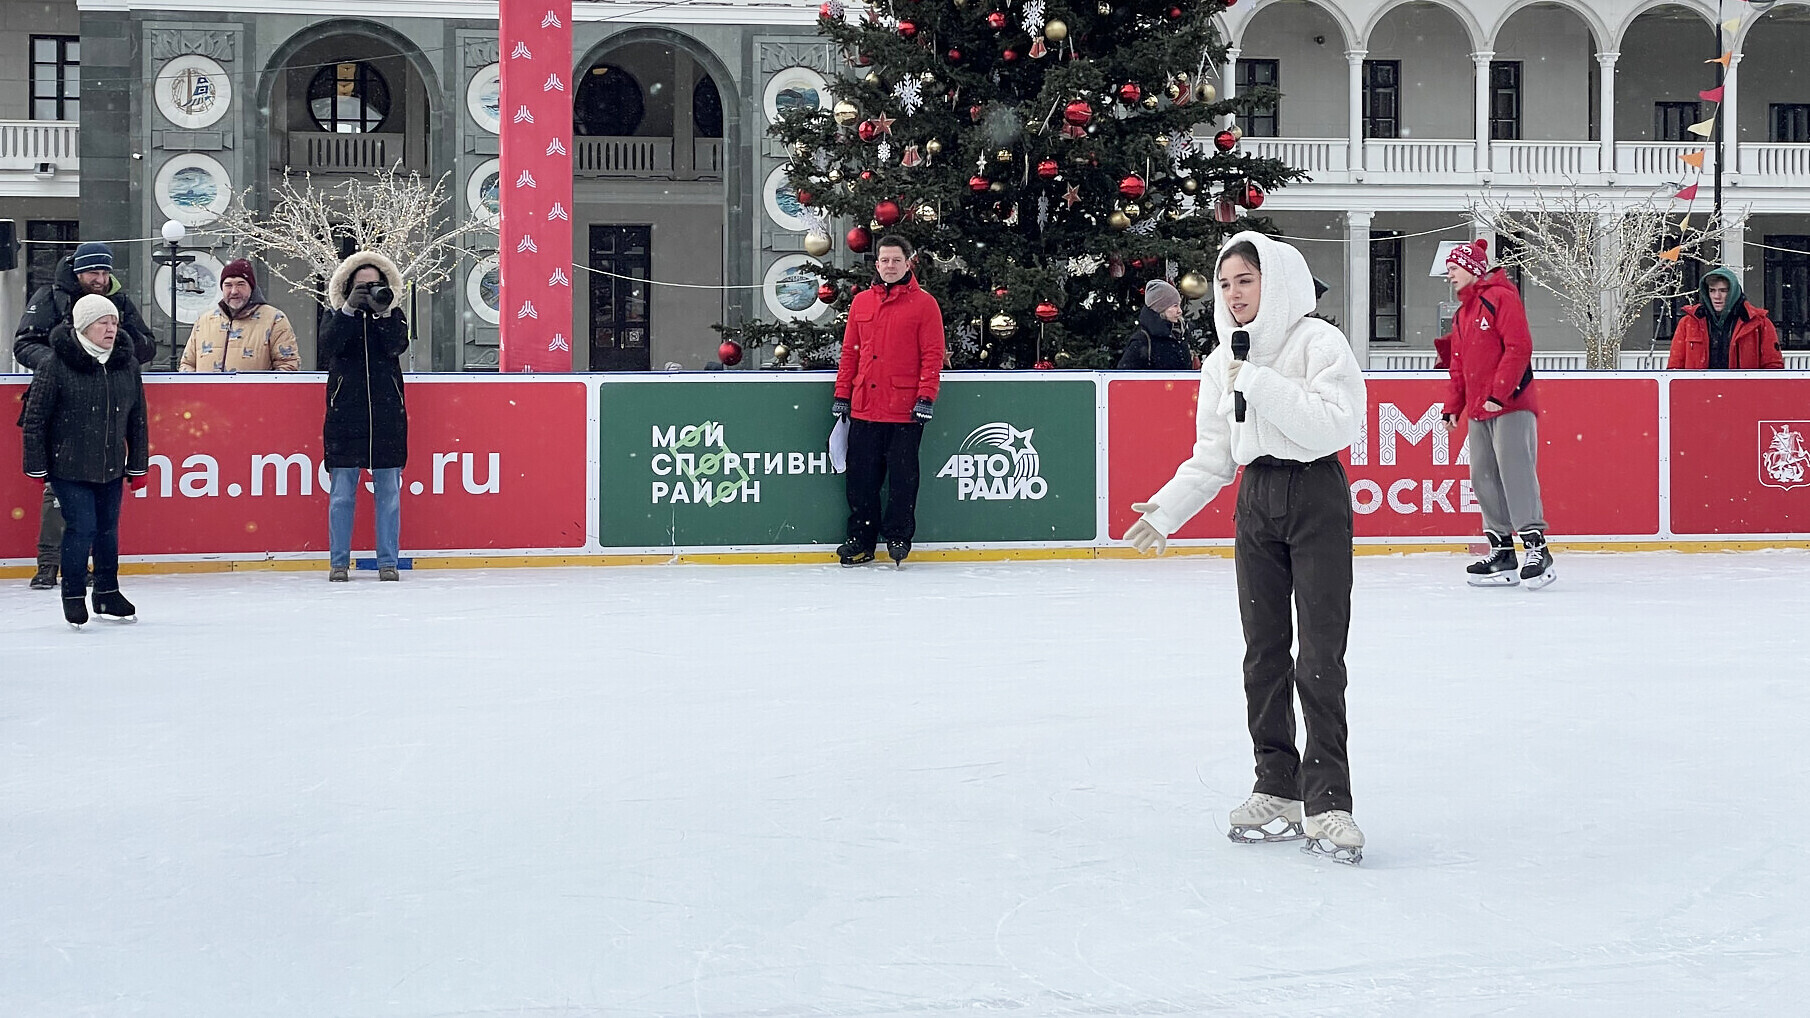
point(1334, 835)
point(113, 606)
point(897, 550)
point(853, 553)
point(1498, 570)
point(1264, 818)
point(45, 578)
point(1538, 571)
point(75, 610)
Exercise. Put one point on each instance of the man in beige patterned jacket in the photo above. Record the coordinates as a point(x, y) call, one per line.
point(242, 332)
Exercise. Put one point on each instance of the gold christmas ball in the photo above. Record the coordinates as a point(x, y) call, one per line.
point(1181, 76)
point(1237, 132)
point(1062, 358)
point(1190, 185)
point(925, 213)
point(1151, 102)
point(927, 78)
point(1133, 209)
point(781, 353)
point(933, 146)
point(1119, 221)
point(1004, 155)
point(996, 186)
point(873, 78)
point(1002, 325)
point(845, 113)
point(834, 175)
point(1175, 91)
point(816, 244)
point(1055, 31)
point(1162, 141)
point(1205, 92)
point(1192, 286)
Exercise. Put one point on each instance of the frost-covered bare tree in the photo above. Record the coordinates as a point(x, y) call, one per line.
point(396, 215)
point(1604, 260)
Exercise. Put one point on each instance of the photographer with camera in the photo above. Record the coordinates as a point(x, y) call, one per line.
point(361, 345)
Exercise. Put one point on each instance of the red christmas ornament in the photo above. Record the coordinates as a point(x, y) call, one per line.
point(1225, 141)
point(977, 183)
point(1132, 186)
point(823, 10)
point(955, 55)
point(1010, 55)
point(974, 113)
point(887, 213)
point(1046, 311)
point(1047, 169)
point(826, 293)
point(867, 174)
point(858, 239)
point(1044, 365)
point(805, 197)
point(1253, 196)
point(868, 130)
point(996, 21)
point(1175, 13)
point(1001, 292)
point(1077, 113)
point(907, 30)
point(1225, 211)
point(1130, 93)
point(729, 352)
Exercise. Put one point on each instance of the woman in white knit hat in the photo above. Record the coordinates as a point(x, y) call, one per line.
point(85, 434)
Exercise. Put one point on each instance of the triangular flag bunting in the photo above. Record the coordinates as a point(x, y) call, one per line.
point(1688, 194)
point(1693, 158)
point(1671, 255)
point(1684, 224)
point(1702, 130)
point(1733, 25)
point(1712, 95)
point(1723, 59)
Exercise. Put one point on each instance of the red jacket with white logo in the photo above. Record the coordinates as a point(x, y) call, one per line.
point(1492, 351)
point(892, 352)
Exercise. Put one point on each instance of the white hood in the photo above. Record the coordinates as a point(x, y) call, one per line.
point(1288, 295)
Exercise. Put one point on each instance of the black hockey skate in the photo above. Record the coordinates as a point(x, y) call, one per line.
point(75, 610)
point(113, 606)
point(1265, 818)
point(1498, 570)
point(853, 553)
point(45, 578)
point(1538, 570)
point(897, 550)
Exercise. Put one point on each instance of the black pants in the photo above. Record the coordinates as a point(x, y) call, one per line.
point(882, 454)
point(1294, 540)
point(90, 523)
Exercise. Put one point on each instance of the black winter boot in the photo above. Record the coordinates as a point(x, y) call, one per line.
point(45, 578)
point(111, 604)
point(1538, 571)
point(854, 553)
point(75, 610)
point(1498, 570)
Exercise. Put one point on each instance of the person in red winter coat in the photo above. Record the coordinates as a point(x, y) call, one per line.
point(886, 384)
point(1724, 330)
point(1492, 385)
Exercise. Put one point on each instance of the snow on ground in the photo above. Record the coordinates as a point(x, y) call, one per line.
point(954, 789)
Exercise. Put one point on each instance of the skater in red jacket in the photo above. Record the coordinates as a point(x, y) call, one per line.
point(1724, 330)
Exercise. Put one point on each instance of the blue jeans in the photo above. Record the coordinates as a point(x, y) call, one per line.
point(90, 523)
point(340, 503)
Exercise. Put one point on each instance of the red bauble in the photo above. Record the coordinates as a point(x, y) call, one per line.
point(729, 352)
point(1077, 113)
point(805, 197)
point(1048, 169)
point(1001, 292)
point(974, 113)
point(858, 239)
point(955, 55)
point(907, 30)
point(868, 130)
point(1046, 312)
point(996, 21)
point(887, 213)
point(1010, 55)
point(977, 183)
point(1225, 141)
point(823, 11)
point(1130, 93)
point(867, 174)
point(826, 293)
point(1253, 196)
point(1132, 186)
point(1175, 13)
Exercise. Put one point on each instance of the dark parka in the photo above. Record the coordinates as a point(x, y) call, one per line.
point(85, 419)
point(50, 306)
point(1156, 345)
point(367, 419)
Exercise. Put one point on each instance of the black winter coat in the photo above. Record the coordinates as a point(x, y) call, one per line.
point(1156, 345)
point(50, 307)
point(367, 419)
point(85, 419)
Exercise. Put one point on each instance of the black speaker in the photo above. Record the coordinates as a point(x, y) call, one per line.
point(9, 245)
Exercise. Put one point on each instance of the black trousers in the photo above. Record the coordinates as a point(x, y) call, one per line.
point(882, 454)
point(1294, 542)
point(91, 525)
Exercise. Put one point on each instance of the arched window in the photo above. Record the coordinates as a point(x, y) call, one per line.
point(350, 98)
point(706, 109)
point(608, 103)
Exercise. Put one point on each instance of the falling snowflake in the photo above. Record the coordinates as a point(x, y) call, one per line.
point(1085, 265)
point(885, 152)
point(1033, 18)
point(910, 94)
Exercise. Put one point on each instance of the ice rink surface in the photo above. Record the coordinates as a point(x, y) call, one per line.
point(955, 789)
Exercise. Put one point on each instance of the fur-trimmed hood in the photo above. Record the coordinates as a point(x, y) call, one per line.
point(340, 286)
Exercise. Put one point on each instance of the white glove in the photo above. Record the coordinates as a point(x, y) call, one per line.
point(1232, 367)
point(1143, 535)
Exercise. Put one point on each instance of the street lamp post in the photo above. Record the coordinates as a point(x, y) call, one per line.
point(173, 232)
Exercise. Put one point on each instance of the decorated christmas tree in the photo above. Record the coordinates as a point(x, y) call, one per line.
point(1042, 158)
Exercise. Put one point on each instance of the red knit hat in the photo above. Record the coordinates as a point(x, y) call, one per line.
point(1472, 258)
point(239, 268)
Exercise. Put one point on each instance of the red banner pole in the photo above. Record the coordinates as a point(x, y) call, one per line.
point(535, 257)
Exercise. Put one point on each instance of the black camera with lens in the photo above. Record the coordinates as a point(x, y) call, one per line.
point(373, 295)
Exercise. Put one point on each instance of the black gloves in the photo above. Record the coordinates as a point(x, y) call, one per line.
point(839, 407)
point(921, 410)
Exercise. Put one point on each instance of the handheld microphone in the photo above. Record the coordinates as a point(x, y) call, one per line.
point(1241, 348)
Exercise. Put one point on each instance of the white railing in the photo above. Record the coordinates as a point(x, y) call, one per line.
point(323, 152)
point(1775, 159)
point(1555, 360)
point(1654, 158)
point(1542, 161)
point(707, 156)
point(26, 143)
point(1320, 157)
point(1419, 159)
point(621, 157)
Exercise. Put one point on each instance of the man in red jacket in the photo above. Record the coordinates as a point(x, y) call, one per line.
point(1492, 384)
point(1724, 330)
point(886, 383)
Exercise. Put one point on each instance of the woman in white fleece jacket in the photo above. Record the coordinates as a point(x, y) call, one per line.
point(1304, 402)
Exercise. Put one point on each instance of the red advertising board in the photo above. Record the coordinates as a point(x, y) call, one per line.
point(1599, 458)
point(236, 469)
point(1739, 459)
point(536, 182)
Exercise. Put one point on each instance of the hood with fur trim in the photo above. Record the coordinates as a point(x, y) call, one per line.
point(340, 286)
point(1287, 294)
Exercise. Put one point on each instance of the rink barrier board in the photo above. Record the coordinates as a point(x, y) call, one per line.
point(462, 425)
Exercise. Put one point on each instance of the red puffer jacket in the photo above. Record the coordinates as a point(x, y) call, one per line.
point(1492, 351)
point(892, 352)
point(1755, 343)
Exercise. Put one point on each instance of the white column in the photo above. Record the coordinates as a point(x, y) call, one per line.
point(1607, 251)
point(684, 131)
point(1606, 99)
point(1354, 59)
point(1734, 244)
point(1731, 138)
point(1230, 80)
point(1481, 60)
point(1357, 284)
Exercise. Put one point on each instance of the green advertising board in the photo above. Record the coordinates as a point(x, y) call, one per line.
point(744, 462)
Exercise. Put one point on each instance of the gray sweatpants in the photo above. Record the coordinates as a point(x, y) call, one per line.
point(50, 530)
point(1505, 472)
